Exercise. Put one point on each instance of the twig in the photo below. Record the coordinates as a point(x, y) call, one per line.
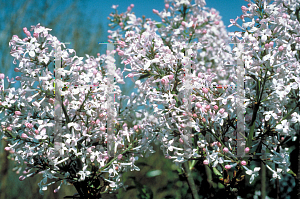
point(190, 181)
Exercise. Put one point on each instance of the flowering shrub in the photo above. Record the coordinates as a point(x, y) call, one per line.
point(177, 65)
point(268, 47)
point(29, 122)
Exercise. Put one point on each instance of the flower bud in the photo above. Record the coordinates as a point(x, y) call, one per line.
point(167, 6)
point(266, 46)
point(17, 70)
point(121, 53)
point(217, 22)
point(28, 34)
point(18, 113)
point(205, 90)
point(216, 107)
point(102, 128)
point(2, 76)
point(120, 156)
point(155, 11)
point(131, 5)
point(244, 8)
point(89, 150)
point(200, 75)
point(9, 128)
point(226, 150)
point(171, 77)
point(284, 15)
point(164, 81)
point(36, 35)
point(244, 163)
point(247, 150)
point(227, 167)
point(222, 110)
point(281, 48)
point(207, 107)
point(205, 162)
point(21, 178)
point(24, 136)
point(51, 100)
point(29, 125)
point(198, 105)
point(271, 44)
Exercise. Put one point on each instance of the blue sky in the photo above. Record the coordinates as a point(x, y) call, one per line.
point(100, 9)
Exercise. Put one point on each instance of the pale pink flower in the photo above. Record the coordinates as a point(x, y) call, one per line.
point(205, 162)
point(120, 156)
point(29, 125)
point(247, 150)
point(18, 113)
point(155, 11)
point(226, 150)
point(243, 162)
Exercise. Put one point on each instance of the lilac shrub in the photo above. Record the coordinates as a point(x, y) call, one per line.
point(271, 52)
point(268, 46)
point(177, 65)
point(29, 123)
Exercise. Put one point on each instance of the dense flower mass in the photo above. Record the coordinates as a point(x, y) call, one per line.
point(192, 35)
point(177, 65)
point(29, 122)
point(157, 52)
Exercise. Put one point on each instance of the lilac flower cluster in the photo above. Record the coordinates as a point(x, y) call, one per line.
point(177, 65)
point(29, 121)
point(268, 45)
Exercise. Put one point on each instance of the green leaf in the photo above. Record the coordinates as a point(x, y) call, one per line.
point(292, 173)
point(154, 173)
point(217, 172)
point(159, 25)
point(144, 76)
point(297, 14)
point(220, 185)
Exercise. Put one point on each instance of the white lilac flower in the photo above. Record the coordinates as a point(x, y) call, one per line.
point(284, 127)
point(253, 173)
